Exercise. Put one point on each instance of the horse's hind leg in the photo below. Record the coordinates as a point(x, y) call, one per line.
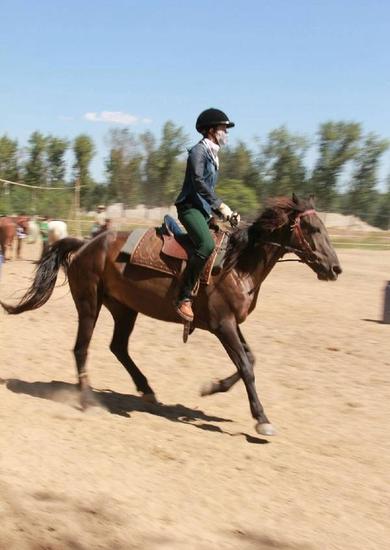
point(124, 319)
point(18, 248)
point(88, 303)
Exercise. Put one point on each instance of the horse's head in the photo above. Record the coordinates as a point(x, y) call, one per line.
point(310, 241)
point(292, 225)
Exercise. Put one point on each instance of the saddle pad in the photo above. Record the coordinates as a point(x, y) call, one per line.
point(148, 253)
point(133, 239)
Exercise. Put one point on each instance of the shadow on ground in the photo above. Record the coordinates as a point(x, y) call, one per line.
point(123, 404)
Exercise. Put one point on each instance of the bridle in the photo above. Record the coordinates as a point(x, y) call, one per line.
point(308, 253)
point(305, 252)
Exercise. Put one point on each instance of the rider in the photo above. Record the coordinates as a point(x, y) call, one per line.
point(197, 200)
point(100, 220)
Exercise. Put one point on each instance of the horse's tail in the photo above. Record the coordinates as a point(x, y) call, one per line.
point(58, 255)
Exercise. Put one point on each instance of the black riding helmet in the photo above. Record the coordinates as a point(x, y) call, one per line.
point(211, 118)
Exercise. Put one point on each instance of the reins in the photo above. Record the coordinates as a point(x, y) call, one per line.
point(306, 248)
point(306, 251)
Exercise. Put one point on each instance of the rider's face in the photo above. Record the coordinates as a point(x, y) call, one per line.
point(219, 135)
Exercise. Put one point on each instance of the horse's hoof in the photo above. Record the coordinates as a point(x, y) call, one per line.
point(264, 428)
point(149, 398)
point(87, 400)
point(208, 389)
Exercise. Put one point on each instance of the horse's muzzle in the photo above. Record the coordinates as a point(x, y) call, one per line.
point(330, 274)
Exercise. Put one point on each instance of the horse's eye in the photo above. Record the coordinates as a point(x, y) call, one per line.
point(311, 229)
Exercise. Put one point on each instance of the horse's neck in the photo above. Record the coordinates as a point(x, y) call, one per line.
point(270, 256)
point(247, 284)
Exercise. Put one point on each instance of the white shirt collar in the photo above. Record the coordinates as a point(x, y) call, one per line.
point(213, 148)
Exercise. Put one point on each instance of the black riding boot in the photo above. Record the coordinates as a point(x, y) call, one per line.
point(190, 276)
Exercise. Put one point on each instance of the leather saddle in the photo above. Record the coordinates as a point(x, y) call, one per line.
point(167, 248)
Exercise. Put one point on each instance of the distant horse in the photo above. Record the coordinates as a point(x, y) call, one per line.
point(9, 231)
point(96, 278)
point(32, 231)
point(57, 230)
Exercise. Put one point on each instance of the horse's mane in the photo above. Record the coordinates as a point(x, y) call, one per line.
point(274, 216)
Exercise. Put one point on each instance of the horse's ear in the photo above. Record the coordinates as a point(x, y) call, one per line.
point(312, 200)
point(295, 199)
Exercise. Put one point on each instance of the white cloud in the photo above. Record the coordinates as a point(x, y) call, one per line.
point(115, 117)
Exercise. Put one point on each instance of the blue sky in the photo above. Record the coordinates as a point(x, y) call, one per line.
point(266, 63)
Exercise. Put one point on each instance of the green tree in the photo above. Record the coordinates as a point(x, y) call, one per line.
point(9, 159)
point(338, 144)
point(363, 196)
point(381, 218)
point(282, 163)
point(123, 168)
point(84, 151)
point(164, 170)
point(56, 164)
point(36, 165)
point(238, 163)
point(238, 196)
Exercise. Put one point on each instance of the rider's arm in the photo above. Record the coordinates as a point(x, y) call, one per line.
point(197, 159)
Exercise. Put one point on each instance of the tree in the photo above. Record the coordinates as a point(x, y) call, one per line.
point(84, 151)
point(362, 193)
point(282, 163)
point(238, 163)
point(123, 168)
point(164, 171)
point(338, 144)
point(36, 166)
point(56, 164)
point(9, 161)
point(238, 196)
point(381, 218)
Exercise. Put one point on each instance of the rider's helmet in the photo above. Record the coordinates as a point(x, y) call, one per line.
point(211, 118)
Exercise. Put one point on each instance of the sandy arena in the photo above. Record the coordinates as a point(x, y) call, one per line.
point(192, 474)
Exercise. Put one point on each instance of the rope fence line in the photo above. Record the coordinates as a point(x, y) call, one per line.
point(45, 188)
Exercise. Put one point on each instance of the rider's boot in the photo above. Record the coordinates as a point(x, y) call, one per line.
point(189, 280)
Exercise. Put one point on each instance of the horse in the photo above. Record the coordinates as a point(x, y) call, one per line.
point(8, 232)
point(96, 278)
point(58, 229)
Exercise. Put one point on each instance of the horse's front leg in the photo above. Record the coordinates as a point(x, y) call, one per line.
point(229, 336)
point(225, 384)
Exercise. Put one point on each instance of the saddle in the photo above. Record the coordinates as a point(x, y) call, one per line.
point(167, 248)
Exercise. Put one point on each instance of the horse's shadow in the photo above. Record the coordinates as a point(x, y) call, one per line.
point(122, 404)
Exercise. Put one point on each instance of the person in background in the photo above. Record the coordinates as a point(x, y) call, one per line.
point(101, 220)
point(197, 200)
point(44, 231)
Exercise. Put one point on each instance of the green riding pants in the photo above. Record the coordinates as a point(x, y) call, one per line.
point(198, 230)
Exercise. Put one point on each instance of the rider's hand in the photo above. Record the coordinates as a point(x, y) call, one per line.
point(225, 211)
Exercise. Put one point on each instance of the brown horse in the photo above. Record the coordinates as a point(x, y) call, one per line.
point(95, 278)
point(8, 233)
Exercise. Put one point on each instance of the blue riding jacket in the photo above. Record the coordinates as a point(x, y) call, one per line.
point(199, 181)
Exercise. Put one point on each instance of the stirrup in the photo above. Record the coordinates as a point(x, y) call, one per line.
point(185, 317)
point(188, 328)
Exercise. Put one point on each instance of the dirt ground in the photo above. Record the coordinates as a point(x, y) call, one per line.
point(192, 473)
